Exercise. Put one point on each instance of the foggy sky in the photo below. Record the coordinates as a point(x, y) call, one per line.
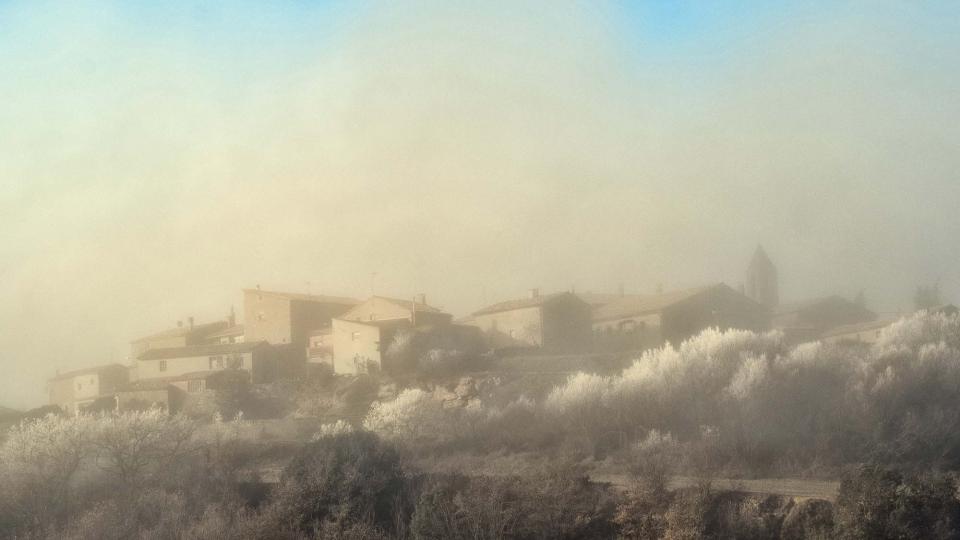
point(156, 160)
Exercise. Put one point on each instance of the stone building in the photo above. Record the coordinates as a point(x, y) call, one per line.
point(810, 319)
point(259, 359)
point(360, 337)
point(183, 335)
point(639, 322)
point(74, 390)
point(288, 318)
point(553, 323)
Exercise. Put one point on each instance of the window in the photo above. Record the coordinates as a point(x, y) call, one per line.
point(163, 365)
point(79, 386)
point(260, 316)
point(354, 336)
point(194, 386)
point(628, 327)
point(216, 362)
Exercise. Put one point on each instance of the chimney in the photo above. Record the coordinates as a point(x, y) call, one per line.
point(659, 288)
point(534, 293)
point(190, 322)
point(232, 318)
point(420, 299)
point(620, 290)
point(179, 324)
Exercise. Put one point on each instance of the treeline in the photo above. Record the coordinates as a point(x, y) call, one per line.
point(151, 481)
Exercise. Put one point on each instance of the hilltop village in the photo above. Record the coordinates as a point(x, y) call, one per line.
point(287, 335)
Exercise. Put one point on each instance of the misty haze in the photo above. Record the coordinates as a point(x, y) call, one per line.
point(479, 270)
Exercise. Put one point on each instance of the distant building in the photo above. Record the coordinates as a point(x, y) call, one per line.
point(865, 332)
point(74, 390)
point(184, 335)
point(869, 331)
point(555, 323)
point(360, 337)
point(809, 319)
point(288, 318)
point(259, 359)
point(638, 322)
point(230, 334)
point(761, 284)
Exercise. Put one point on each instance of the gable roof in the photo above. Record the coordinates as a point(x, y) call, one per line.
point(802, 305)
point(638, 305)
point(162, 383)
point(322, 298)
point(408, 304)
point(521, 303)
point(235, 330)
point(403, 305)
point(602, 299)
point(200, 350)
point(180, 331)
point(86, 371)
point(857, 327)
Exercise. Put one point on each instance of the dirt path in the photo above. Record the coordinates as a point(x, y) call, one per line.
point(788, 487)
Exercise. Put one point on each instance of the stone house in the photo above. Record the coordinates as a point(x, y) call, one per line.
point(361, 337)
point(74, 390)
point(865, 332)
point(183, 335)
point(639, 322)
point(553, 323)
point(259, 359)
point(809, 319)
point(282, 318)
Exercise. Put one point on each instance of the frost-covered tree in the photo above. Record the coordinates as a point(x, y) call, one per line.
point(136, 444)
point(38, 462)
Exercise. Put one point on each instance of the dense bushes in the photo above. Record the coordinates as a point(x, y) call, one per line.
point(740, 400)
point(335, 483)
point(147, 475)
point(556, 502)
point(882, 503)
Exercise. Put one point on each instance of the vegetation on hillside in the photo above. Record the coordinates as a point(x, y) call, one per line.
point(882, 417)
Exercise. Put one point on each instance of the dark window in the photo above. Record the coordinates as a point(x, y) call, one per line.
point(194, 386)
point(163, 365)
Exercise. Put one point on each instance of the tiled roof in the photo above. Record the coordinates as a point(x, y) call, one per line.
point(230, 331)
point(198, 329)
point(521, 303)
point(159, 383)
point(200, 350)
point(857, 327)
point(85, 371)
point(308, 297)
point(408, 304)
point(793, 307)
point(638, 305)
point(601, 299)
